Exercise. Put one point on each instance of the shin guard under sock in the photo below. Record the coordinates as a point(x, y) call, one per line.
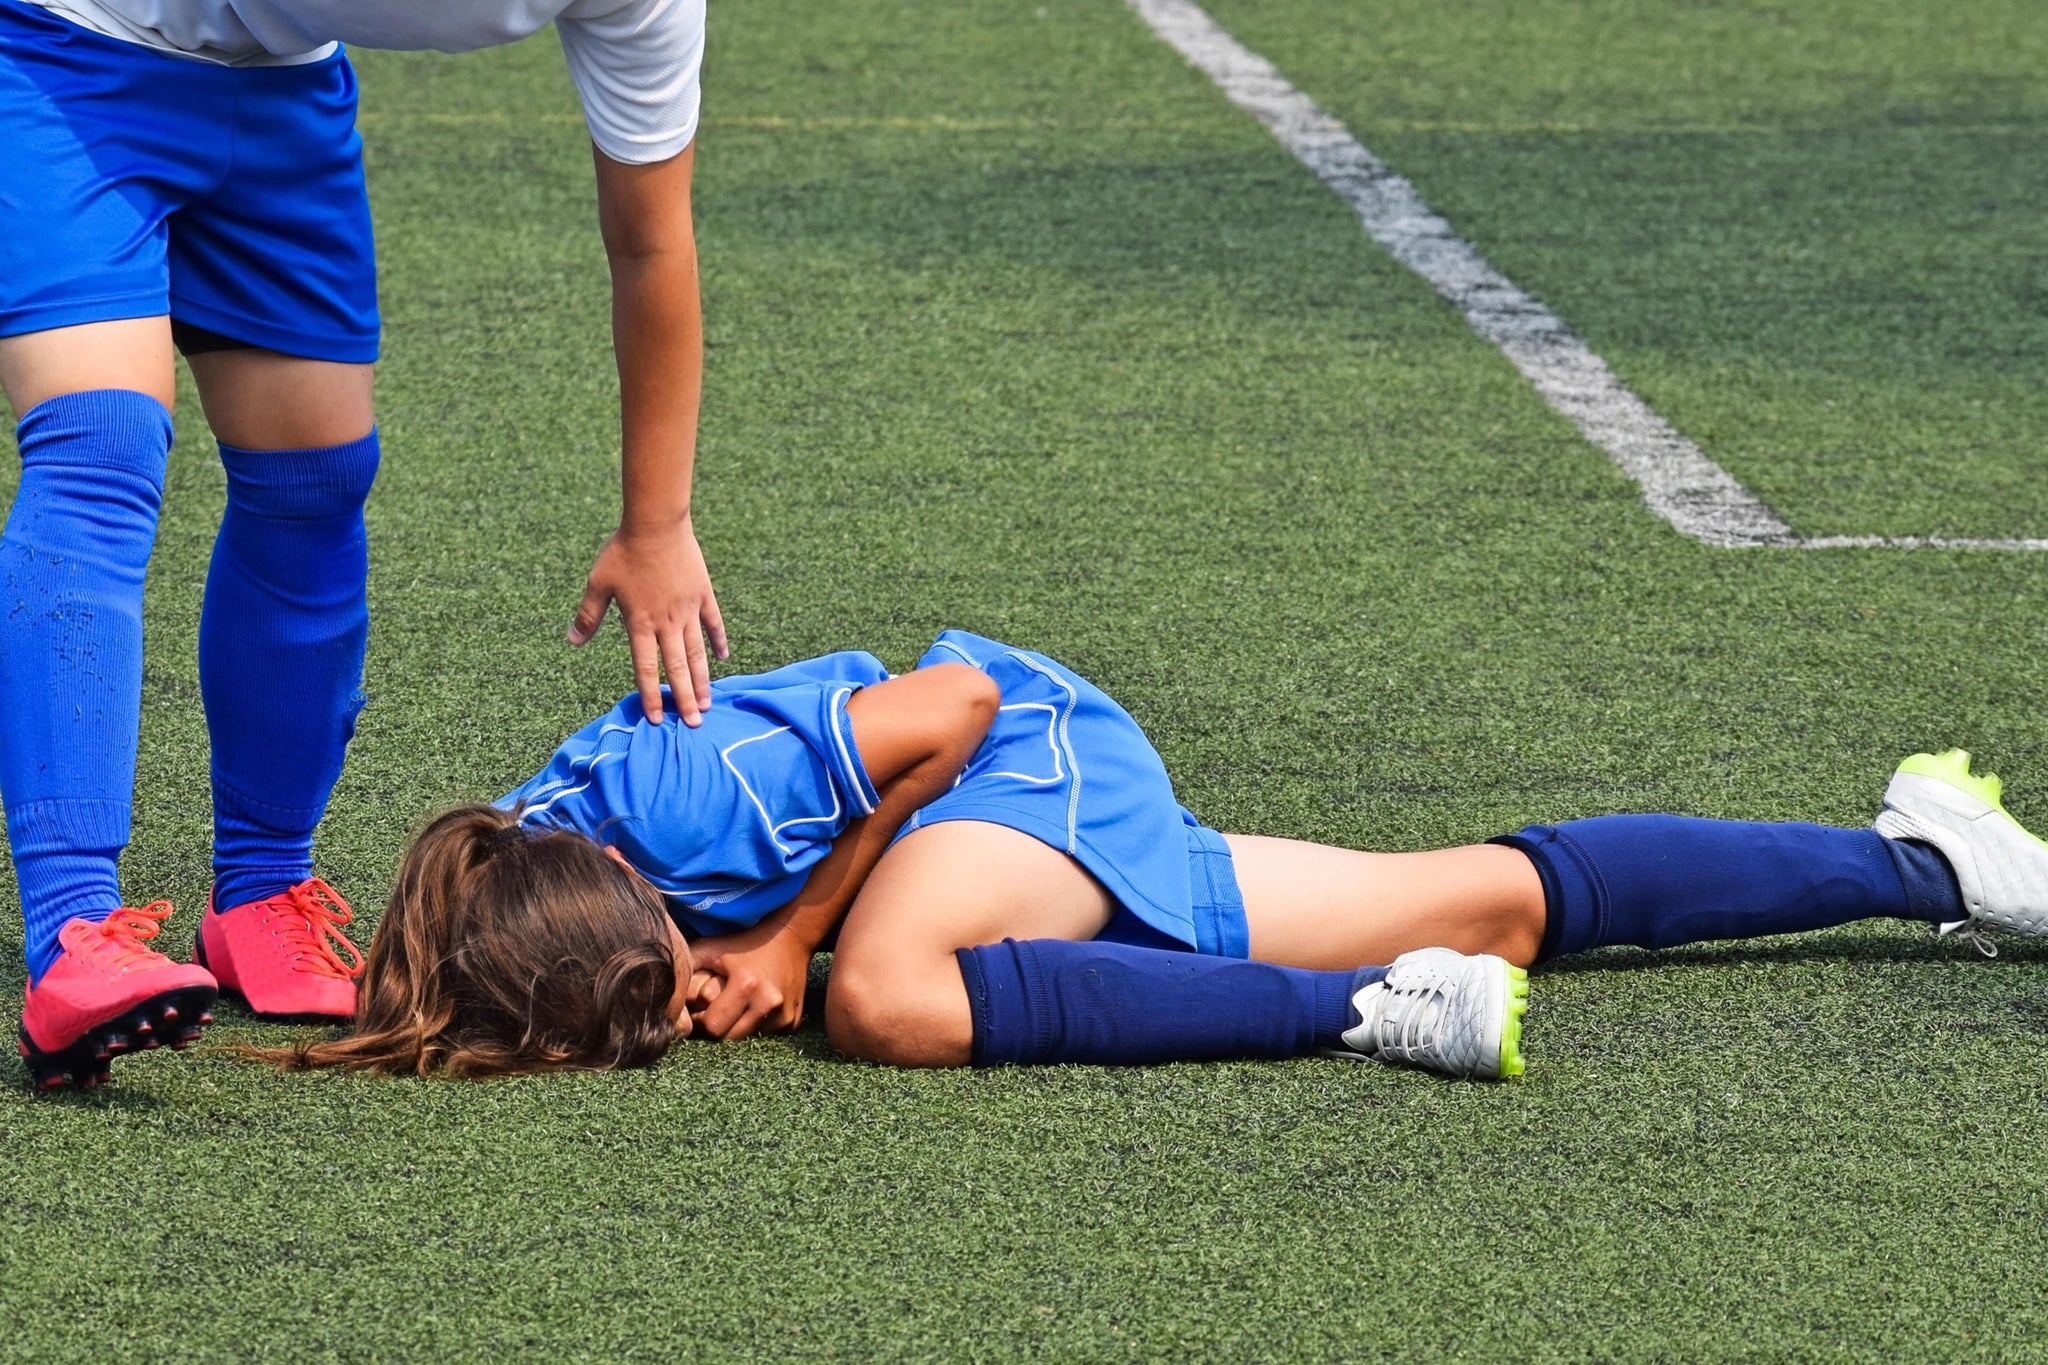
point(1111, 1004)
point(1656, 881)
point(72, 561)
point(281, 640)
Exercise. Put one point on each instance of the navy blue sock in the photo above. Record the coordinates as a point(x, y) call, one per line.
point(281, 641)
point(1111, 1004)
point(1932, 891)
point(1655, 881)
point(71, 567)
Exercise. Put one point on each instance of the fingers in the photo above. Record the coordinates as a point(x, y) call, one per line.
point(767, 1012)
point(680, 645)
point(646, 669)
point(700, 666)
point(666, 603)
point(732, 1005)
point(750, 1023)
point(589, 612)
point(714, 624)
point(704, 988)
point(739, 1010)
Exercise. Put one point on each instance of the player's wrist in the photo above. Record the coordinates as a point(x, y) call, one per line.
point(635, 524)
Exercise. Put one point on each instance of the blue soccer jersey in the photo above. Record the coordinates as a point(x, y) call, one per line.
point(728, 819)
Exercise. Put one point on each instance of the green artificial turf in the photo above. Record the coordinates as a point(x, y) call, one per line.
point(1015, 324)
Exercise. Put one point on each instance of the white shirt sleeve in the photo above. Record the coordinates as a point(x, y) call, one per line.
point(637, 65)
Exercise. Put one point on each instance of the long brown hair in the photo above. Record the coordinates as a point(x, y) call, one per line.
point(505, 950)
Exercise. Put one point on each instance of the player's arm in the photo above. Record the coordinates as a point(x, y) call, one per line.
point(652, 566)
point(915, 734)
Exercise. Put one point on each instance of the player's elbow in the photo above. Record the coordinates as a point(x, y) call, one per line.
point(981, 699)
point(971, 701)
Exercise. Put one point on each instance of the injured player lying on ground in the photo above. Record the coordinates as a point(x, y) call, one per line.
point(994, 852)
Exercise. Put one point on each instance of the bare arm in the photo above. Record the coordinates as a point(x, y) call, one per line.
point(652, 566)
point(915, 734)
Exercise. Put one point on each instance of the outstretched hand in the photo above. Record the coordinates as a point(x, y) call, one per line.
point(747, 983)
point(665, 600)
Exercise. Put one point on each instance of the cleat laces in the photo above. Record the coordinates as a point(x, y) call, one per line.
point(1412, 1023)
point(311, 925)
point(1966, 931)
point(1444, 1011)
point(125, 937)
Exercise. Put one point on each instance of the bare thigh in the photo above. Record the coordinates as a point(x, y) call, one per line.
point(896, 993)
point(1310, 905)
point(257, 399)
point(131, 353)
point(262, 400)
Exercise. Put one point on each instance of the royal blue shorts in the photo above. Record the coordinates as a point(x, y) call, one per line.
point(1221, 929)
point(1068, 766)
point(138, 184)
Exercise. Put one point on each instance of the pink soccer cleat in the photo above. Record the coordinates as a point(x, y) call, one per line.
point(109, 993)
point(284, 955)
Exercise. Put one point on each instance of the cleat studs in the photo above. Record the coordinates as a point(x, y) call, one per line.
point(102, 1055)
point(206, 1016)
point(170, 1014)
point(50, 1083)
point(151, 1045)
point(181, 1044)
point(106, 1078)
point(145, 1027)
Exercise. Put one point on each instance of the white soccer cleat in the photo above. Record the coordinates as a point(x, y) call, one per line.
point(2002, 869)
point(1449, 1012)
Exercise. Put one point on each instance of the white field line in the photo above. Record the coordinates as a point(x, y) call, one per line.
point(1679, 482)
point(1921, 543)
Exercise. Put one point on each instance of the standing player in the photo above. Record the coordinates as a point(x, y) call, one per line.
point(187, 173)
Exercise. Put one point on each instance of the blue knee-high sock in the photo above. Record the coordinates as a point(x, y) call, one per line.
point(1111, 1004)
point(72, 561)
point(281, 641)
point(1656, 881)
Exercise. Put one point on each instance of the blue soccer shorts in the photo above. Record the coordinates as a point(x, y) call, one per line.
point(1216, 905)
point(134, 183)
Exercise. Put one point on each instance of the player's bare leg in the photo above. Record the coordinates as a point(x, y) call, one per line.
point(132, 353)
point(896, 994)
point(1310, 905)
point(261, 400)
point(899, 994)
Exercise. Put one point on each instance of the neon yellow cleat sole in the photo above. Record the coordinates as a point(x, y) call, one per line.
point(1511, 1063)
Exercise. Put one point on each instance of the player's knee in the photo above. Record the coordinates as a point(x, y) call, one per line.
point(1517, 940)
point(302, 485)
point(1513, 925)
point(866, 1016)
point(897, 1014)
